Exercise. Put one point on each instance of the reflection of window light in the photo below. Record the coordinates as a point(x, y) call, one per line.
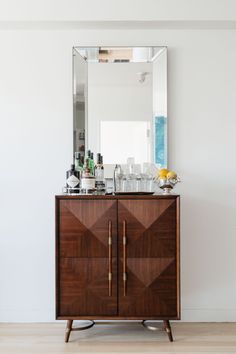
point(121, 139)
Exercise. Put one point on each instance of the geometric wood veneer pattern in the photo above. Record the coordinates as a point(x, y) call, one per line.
point(151, 257)
point(83, 225)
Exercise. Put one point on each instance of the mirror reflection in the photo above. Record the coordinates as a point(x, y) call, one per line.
point(120, 103)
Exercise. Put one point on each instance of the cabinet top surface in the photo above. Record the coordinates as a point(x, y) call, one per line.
point(110, 196)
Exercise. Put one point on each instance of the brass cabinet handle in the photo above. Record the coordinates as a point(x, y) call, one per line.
point(124, 258)
point(109, 258)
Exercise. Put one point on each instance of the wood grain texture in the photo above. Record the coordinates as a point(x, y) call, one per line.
point(152, 257)
point(84, 287)
point(83, 229)
point(151, 287)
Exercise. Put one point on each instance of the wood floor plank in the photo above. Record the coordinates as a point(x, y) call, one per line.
point(41, 338)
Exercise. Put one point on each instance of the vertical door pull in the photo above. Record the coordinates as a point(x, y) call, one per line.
point(109, 258)
point(124, 258)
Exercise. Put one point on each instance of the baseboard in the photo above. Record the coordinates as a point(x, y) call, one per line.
point(27, 316)
point(208, 315)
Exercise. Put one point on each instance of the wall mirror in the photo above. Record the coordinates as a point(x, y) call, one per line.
point(120, 103)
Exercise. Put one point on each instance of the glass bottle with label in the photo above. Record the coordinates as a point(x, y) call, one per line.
point(99, 174)
point(91, 163)
point(87, 180)
point(87, 156)
point(78, 162)
point(73, 179)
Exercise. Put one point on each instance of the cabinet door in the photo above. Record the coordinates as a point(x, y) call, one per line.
point(87, 265)
point(149, 257)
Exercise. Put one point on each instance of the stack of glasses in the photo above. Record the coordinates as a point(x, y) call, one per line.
point(134, 178)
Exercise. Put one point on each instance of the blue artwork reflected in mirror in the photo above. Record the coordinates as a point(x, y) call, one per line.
point(161, 141)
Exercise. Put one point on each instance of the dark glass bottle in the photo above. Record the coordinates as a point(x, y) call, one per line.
point(99, 174)
point(72, 179)
point(88, 154)
point(91, 163)
point(78, 162)
point(87, 157)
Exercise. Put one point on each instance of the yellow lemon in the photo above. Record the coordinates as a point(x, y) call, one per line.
point(163, 173)
point(171, 175)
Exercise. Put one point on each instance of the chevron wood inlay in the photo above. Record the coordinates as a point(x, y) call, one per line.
point(77, 240)
point(83, 287)
point(144, 269)
point(84, 235)
point(87, 237)
point(151, 256)
point(148, 269)
point(89, 214)
point(146, 211)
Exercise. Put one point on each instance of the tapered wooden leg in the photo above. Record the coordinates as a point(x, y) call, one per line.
point(68, 330)
point(167, 328)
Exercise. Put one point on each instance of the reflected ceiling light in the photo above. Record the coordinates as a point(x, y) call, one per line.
point(142, 76)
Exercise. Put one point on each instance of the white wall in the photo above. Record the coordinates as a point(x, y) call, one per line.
point(36, 150)
point(108, 10)
point(115, 94)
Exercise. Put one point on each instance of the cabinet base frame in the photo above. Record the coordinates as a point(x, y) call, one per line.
point(69, 328)
point(166, 327)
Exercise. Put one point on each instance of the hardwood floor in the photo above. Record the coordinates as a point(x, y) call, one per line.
point(117, 338)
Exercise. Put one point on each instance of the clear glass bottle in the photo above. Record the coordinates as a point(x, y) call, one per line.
point(118, 176)
point(131, 177)
point(87, 179)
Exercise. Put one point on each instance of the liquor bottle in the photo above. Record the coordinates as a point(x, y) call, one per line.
point(78, 162)
point(87, 156)
point(82, 160)
point(91, 164)
point(87, 179)
point(72, 178)
point(99, 174)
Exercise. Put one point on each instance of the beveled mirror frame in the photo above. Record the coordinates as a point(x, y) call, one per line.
point(81, 99)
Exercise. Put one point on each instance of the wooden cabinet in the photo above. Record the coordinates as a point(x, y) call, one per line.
point(83, 257)
point(117, 258)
